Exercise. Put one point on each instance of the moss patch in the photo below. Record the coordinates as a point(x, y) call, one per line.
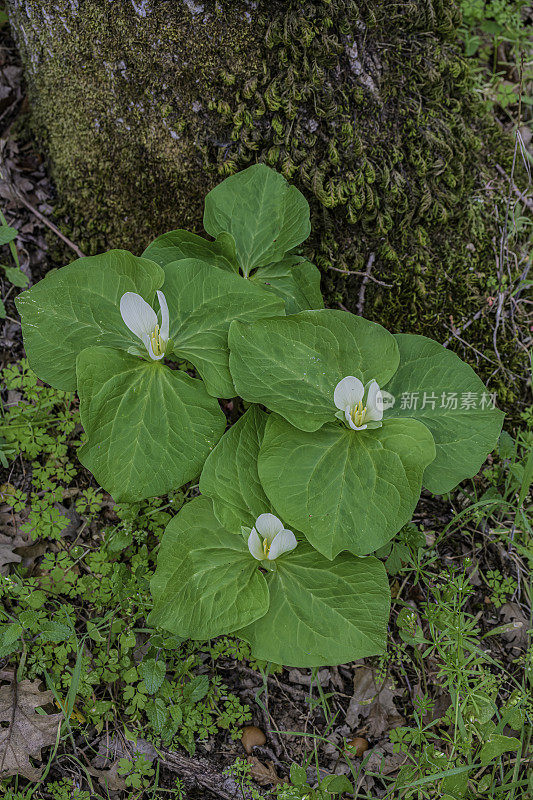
point(366, 106)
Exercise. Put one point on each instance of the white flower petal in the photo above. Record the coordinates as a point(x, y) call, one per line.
point(283, 542)
point(267, 526)
point(151, 351)
point(348, 392)
point(374, 403)
point(140, 318)
point(255, 545)
point(349, 420)
point(164, 316)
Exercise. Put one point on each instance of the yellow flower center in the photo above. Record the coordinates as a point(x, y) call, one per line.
point(266, 548)
point(358, 414)
point(158, 345)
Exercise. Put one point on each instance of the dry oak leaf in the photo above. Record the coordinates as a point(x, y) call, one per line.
point(26, 732)
point(373, 702)
point(263, 774)
point(7, 554)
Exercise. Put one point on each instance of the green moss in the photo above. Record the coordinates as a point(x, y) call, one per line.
point(366, 105)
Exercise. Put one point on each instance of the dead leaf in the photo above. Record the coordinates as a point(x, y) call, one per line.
point(252, 737)
point(384, 761)
point(8, 544)
point(26, 732)
point(263, 774)
point(517, 635)
point(323, 677)
point(373, 701)
point(108, 778)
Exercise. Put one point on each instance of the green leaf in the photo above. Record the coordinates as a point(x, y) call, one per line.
point(2, 310)
point(295, 280)
point(336, 784)
point(206, 582)
point(496, 745)
point(177, 245)
point(15, 276)
point(293, 364)
point(203, 300)
point(322, 612)
point(345, 489)
point(7, 234)
point(265, 215)
point(77, 307)
point(157, 713)
point(230, 476)
point(9, 633)
point(54, 631)
point(464, 436)
point(298, 775)
point(196, 689)
point(153, 674)
point(149, 428)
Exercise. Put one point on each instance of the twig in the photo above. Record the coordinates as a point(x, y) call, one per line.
point(199, 772)
point(366, 278)
point(364, 274)
point(527, 201)
point(457, 331)
point(45, 221)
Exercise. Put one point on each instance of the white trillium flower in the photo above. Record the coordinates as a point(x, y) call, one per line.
point(141, 319)
point(361, 406)
point(269, 539)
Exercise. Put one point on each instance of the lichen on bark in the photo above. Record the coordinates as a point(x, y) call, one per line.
point(366, 105)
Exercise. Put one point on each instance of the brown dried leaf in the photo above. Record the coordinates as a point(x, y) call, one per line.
point(108, 778)
point(263, 774)
point(373, 701)
point(26, 732)
point(517, 635)
point(7, 555)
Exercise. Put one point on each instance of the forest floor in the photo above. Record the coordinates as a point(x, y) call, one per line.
point(447, 712)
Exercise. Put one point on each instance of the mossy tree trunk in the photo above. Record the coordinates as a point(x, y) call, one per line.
point(366, 105)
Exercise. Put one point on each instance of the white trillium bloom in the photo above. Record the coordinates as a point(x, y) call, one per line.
point(269, 539)
point(360, 405)
point(141, 319)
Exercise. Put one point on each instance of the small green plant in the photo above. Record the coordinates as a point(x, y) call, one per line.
point(502, 588)
point(358, 420)
point(138, 772)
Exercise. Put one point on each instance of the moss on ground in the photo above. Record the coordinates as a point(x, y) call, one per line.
point(366, 105)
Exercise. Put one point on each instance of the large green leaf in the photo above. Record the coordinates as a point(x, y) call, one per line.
point(295, 280)
point(345, 489)
point(433, 377)
point(322, 612)
point(206, 582)
point(293, 364)
point(230, 477)
point(202, 301)
point(149, 428)
point(265, 215)
point(176, 245)
point(77, 307)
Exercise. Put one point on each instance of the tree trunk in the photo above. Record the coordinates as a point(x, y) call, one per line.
point(366, 105)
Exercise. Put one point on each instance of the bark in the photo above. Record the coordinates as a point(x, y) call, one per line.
point(366, 105)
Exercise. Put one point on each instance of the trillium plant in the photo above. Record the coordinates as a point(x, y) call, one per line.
point(345, 422)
